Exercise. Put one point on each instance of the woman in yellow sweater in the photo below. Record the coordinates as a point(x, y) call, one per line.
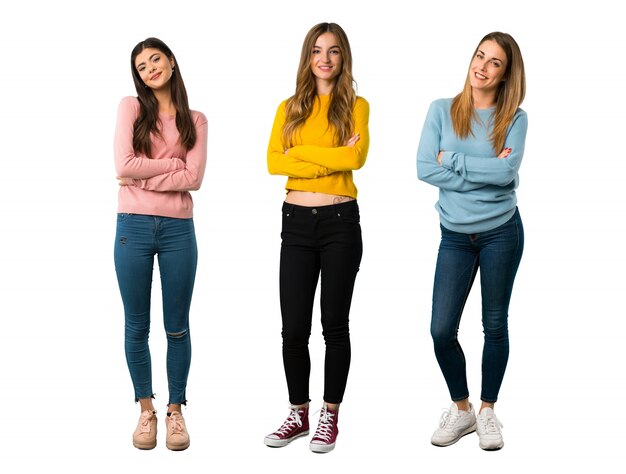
point(320, 135)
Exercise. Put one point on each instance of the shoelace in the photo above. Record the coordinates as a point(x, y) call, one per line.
point(448, 420)
point(175, 423)
point(489, 424)
point(325, 427)
point(144, 422)
point(293, 418)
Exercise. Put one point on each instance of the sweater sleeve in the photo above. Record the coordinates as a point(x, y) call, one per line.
point(190, 177)
point(492, 170)
point(127, 164)
point(428, 169)
point(342, 158)
point(286, 164)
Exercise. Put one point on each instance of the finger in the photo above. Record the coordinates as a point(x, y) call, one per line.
point(504, 153)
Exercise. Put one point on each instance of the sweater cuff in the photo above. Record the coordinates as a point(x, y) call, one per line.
point(446, 159)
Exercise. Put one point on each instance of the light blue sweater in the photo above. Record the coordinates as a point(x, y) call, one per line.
point(476, 189)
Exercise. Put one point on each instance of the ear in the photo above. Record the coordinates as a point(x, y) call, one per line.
point(172, 63)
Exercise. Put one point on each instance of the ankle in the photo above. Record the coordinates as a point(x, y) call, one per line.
point(331, 406)
point(463, 405)
point(146, 404)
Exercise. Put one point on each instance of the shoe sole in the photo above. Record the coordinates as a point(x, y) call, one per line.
point(281, 443)
point(321, 448)
point(465, 433)
point(144, 447)
point(173, 447)
point(489, 448)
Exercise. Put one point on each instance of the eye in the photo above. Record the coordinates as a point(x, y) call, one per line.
point(334, 51)
point(316, 51)
point(141, 68)
point(496, 63)
point(479, 56)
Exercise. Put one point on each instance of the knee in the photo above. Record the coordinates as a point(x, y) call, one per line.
point(496, 333)
point(442, 335)
point(295, 337)
point(336, 332)
point(137, 331)
point(178, 336)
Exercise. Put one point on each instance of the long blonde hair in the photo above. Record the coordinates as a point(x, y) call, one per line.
point(509, 97)
point(343, 96)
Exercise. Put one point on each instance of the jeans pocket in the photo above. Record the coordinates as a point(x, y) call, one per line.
point(351, 216)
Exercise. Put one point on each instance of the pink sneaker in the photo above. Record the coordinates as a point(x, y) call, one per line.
point(144, 436)
point(177, 438)
point(296, 425)
point(326, 434)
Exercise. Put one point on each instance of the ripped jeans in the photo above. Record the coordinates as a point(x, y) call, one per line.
point(138, 239)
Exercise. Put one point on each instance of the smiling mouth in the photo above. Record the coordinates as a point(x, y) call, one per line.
point(479, 75)
point(156, 76)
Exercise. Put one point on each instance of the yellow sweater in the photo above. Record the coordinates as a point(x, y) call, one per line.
point(314, 163)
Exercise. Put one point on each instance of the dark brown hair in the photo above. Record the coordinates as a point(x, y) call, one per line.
point(148, 120)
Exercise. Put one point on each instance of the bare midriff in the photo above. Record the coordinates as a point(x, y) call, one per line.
point(307, 198)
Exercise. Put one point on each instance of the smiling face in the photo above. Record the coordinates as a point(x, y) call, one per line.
point(326, 60)
point(488, 67)
point(154, 68)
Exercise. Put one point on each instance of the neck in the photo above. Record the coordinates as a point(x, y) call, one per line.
point(324, 87)
point(483, 99)
point(164, 98)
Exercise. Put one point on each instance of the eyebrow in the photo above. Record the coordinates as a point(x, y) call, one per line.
point(331, 47)
point(143, 64)
point(483, 53)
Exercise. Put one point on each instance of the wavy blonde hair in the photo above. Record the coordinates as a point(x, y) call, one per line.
point(509, 97)
point(343, 96)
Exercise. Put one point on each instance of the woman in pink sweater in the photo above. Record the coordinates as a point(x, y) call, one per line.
point(160, 155)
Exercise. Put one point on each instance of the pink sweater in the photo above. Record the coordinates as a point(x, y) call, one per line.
point(161, 183)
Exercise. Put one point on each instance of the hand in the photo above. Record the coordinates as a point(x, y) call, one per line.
point(505, 153)
point(440, 157)
point(352, 140)
point(124, 181)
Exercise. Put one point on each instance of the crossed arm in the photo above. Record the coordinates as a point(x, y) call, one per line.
point(457, 171)
point(170, 174)
point(312, 161)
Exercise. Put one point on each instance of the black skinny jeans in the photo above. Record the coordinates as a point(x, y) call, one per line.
point(326, 240)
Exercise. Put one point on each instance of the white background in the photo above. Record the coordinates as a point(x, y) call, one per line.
point(65, 392)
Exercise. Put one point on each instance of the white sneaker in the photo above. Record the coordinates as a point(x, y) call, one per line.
point(488, 427)
point(454, 424)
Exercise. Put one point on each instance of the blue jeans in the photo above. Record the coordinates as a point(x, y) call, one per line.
point(498, 253)
point(138, 239)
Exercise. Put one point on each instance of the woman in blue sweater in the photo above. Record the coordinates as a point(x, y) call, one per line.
point(471, 148)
